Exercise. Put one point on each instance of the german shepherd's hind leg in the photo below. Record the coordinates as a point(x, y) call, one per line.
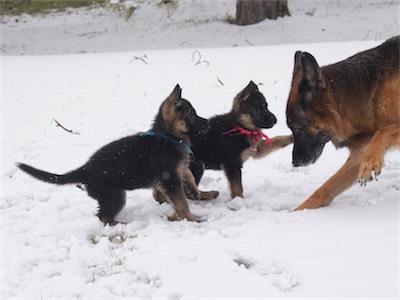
point(338, 183)
point(111, 201)
point(234, 175)
point(371, 164)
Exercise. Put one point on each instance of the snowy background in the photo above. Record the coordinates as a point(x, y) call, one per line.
point(53, 246)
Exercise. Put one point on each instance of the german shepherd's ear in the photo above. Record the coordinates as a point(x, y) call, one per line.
point(297, 62)
point(311, 75)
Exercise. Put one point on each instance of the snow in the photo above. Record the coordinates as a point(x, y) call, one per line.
point(196, 24)
point(53, 246)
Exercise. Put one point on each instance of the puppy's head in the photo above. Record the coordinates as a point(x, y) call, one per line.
point(251, 109)
point(180, 117)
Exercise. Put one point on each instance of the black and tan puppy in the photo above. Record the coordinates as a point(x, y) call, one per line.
point(236, 136)
point(157, 159)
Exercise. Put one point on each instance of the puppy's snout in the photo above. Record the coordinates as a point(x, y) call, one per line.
point(205, 125)
point(271, 120)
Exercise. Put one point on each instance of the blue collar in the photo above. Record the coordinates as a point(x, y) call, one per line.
point(180, 143)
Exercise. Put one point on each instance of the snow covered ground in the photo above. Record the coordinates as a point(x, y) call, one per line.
point(54, 247)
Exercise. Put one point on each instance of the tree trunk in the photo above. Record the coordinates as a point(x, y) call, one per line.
point(254, 11)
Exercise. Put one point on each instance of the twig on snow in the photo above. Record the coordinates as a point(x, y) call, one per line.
point(220, 81)
point(140, 58)
point(199, 61)
point(58, 124)
point(247, 41)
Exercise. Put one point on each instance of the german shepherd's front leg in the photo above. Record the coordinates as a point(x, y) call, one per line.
point(278, 142)
point(372, 161)
point(234, 175)
point(338, 183)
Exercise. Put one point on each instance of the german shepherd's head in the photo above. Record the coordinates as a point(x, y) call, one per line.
point(250, 109)
point(307, 112)
point(178, 117)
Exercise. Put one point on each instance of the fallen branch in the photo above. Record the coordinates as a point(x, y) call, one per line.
point(199, 61)
point(58, 124)
point(139, 58)
point(247, 41)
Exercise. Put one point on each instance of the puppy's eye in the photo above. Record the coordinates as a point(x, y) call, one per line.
point(191, 115)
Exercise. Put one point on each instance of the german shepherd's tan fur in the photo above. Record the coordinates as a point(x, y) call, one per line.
point(354, 103)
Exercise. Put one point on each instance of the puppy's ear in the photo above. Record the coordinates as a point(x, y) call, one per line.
point(175, 98)
point(176, 95)
point(173, 102)
point(250, 88)
point(244, 95)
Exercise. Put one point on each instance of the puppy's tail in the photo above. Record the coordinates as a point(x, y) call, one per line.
point(76, 176)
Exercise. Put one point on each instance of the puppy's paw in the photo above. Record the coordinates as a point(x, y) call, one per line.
point(210, 195)
point(159, 196)
point(190, 217)
point(283, 140)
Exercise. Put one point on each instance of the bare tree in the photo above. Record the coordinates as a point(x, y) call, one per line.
point(254, 11)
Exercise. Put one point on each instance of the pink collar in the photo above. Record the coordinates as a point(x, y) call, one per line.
point(254, 135)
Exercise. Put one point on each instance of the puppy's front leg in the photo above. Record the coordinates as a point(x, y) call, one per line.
point(234, 175)
point(278, 142)
point(192, 189)
point(172, 187)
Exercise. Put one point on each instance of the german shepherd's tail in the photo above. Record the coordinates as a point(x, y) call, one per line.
point(75, 176)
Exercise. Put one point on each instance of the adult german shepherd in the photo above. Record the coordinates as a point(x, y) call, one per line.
point(354, 103)
point(236, 136)
point(158, 158)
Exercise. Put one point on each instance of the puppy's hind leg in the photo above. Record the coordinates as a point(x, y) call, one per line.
point(111, 201)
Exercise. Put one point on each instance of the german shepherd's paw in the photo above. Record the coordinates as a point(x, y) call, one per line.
point(370, 168)
point(316, 200)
